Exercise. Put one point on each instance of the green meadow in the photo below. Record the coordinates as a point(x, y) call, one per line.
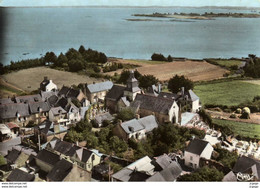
point(230, 93)
point(241, 128)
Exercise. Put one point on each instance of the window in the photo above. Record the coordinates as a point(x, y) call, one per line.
point(190, 164)
point(191, 158)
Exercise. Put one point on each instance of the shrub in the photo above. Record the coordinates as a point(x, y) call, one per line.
point(233, 115)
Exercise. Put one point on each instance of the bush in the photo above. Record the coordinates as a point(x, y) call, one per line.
point(158, 57)
point(233, 115)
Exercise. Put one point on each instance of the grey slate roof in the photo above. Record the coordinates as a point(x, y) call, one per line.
point(167, 95)
point(45, 126)
point(156, 177)
point(58, 110)
point(102, 86)
point(123, 175)
point(230, 177)
point(62, 102)
point(28, 98)
point(152, 103)
point(116, 92)
point(64, 90)
point(8, 111)
point(192, 95)
point(196, 146)
point(12, 155)
point(52, 100)
point(73, 93)
point(46, 94)
point(244, 164)
point(36, 106)
point(171, 172)
point(148, 123)
point(132, 126)
point(60, 170)
point(19, 175)
point(102, 117)
point(83, 154)
point(6, 101)
point(163, 161)
point(48, 157)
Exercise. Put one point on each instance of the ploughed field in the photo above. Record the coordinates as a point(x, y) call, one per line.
point(30, 79)
point(194, 70)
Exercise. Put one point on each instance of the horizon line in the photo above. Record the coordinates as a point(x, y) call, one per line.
point(128, 6)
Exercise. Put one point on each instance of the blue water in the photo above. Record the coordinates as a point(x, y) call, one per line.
point(38, 30)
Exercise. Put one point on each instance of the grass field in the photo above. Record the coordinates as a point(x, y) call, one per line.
point(228, 63)
point(227, 93)
point(241, 128)
point(30, 79)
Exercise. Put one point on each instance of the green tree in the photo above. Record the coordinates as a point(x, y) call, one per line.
point(169, 58)
point(158, 57)
point(82, 49)
point(126, 114)
point(61, 60)
point(75, 65)
point(205, 116)
point(73, 136)
point(147, 81)
point(73, 54)
point(92, 140)
point(176, 82)
point(205, 174)
point(2, 160)
point(50, 57)
point(226, 157)
point(117, 145)
point(83, 125)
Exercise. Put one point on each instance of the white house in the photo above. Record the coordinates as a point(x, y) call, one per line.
point(48, 85)
point(197, 149)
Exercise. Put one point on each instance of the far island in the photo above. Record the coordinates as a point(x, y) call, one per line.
point(205, 16)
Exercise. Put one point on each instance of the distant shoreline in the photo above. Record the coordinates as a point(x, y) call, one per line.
point(107, 6)
point(205, 16)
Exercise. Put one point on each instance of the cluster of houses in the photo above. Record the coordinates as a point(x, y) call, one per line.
point(52, 112)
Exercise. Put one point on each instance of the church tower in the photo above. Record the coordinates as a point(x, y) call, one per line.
point(132, 87)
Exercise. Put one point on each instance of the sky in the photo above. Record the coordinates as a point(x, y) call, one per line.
point(241, 3)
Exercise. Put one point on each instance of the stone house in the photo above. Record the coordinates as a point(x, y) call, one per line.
point(113, 96)
point(47, 130)
point(70, 93)
point(97, 91)
point(165, 110)
point(48, 85)
point(197, 149)
point(58, 114)
point(136, 128)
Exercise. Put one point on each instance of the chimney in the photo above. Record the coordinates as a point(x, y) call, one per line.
point(69, 100)
point(182, 92)
point(94, 82)
point(137, 116)
point(45, 78)
point(50, 81)
point(77, 143)
point(159, 88)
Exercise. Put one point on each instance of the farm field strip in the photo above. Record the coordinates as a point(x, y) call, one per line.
point(241, 128)
point(227, 93)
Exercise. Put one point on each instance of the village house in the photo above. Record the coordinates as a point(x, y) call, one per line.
point(244, 167)
point(113, 96)
point(20, 175)
point(47, 85)
point(136, 128)
point(65, 171)
point(197, 149)
point(165, 110)
point(15, 112)
point(58, 114)
point(187, 99)
point(84, 158)
point(97, 91)
point(101, 117)
point(70, 93)
point(160, 169)
point(47, 130)
point(5, 133)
